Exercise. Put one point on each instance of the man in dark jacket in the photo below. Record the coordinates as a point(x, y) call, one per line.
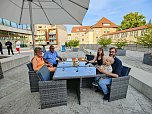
point(9, 47)
point(1, 48)
point(116, 72)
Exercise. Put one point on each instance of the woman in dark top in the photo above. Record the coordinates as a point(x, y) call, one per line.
point(99, 58)
point(1, 48)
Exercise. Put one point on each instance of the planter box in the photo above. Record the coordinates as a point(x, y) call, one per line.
point(121, 52)
point(147, 59)
point(8, 63)
point(105, 48)
point(75, 49)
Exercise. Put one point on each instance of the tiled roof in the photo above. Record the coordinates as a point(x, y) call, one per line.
point(104, 23)
point(80, 29)
point(127, 30)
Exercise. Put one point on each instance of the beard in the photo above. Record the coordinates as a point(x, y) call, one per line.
point(111, 55)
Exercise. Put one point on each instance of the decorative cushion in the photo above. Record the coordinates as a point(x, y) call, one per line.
point(30, 66)
point(44, 74)
point(125, 71)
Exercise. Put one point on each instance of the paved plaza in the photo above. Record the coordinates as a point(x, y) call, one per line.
point(16, 98)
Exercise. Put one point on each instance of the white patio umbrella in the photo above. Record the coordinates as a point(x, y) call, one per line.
point(53, 12)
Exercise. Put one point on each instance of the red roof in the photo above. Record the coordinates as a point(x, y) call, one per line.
point(104, 23)
point(80, 29)
point(127, 30)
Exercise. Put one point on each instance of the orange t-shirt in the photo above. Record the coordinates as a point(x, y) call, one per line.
point(40, 61)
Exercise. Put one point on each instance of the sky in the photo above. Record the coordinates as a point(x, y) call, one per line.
point(114, 10)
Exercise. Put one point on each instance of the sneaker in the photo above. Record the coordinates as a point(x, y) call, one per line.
point(95, 84)
point(106, 97)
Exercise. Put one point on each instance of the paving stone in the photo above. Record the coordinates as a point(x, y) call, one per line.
point(22, 101)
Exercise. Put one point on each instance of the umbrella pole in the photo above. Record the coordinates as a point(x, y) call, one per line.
point(31, 22)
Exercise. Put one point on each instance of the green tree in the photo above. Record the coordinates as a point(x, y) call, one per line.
point(149, 23)
point(120, 43)
point(73, 43)
point(146, 40)
point(104, 41)
point(132, 20)
point(66, 44)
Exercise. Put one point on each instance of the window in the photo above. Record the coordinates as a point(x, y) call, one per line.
point(135, 33)
point(106, 30)
point(126, 34)
point(13, 24)
point(82, 39)
point(7, 22)
point(20, 26)
point(131, 33)
point(106, 24)
point(39, 26)
point(97, 31)
point(78, 30)
point(1, 21)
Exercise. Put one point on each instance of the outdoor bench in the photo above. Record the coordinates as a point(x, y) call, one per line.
point(52, 93)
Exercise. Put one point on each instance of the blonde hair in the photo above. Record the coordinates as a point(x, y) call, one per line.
point(37, 49)
point(111, 59)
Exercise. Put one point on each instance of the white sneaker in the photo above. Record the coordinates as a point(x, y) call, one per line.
point(94, 83)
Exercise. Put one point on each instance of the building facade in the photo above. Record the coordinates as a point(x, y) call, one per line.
point(130, 35)
point(10, 31)
point(95, 32)
point(53, 35)
point(91, 34)
point(78, 33)
point(69, 37)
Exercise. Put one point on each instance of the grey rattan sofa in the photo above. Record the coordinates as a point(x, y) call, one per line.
point(52, 93)
point(119, 86)
point(33, 79)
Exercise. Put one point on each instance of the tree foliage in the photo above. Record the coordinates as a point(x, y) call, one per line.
point(73, 43)
point(104, 41)
point(146, 40)
point(132, 20)
point(121, 43)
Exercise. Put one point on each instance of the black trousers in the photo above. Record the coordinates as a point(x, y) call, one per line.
point(9, 48)
point(1, 50)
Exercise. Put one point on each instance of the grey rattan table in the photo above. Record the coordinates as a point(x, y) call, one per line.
point(73, 75)
point(70, 64)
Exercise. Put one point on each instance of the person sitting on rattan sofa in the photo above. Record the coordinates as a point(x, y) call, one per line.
point(38, 61)
point(51, 55)
point(116, 72)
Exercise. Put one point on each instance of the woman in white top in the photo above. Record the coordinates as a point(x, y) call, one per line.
point(18, 43)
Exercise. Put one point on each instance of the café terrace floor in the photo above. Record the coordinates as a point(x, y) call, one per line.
point(16, 98)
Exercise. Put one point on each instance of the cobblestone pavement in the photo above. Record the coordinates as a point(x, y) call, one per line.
point(16, 98)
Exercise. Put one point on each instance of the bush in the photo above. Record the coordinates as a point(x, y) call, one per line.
point(146, 40)
point(23, 45)
point(121, 43)
point(66, 44)
point(73, 43)
point(104, 41)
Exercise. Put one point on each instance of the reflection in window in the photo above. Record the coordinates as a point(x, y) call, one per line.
point(13, 24)
point(20, 26)
point(1, 21)
point(7, 22)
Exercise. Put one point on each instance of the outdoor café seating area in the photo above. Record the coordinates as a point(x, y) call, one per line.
point(72, 73)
